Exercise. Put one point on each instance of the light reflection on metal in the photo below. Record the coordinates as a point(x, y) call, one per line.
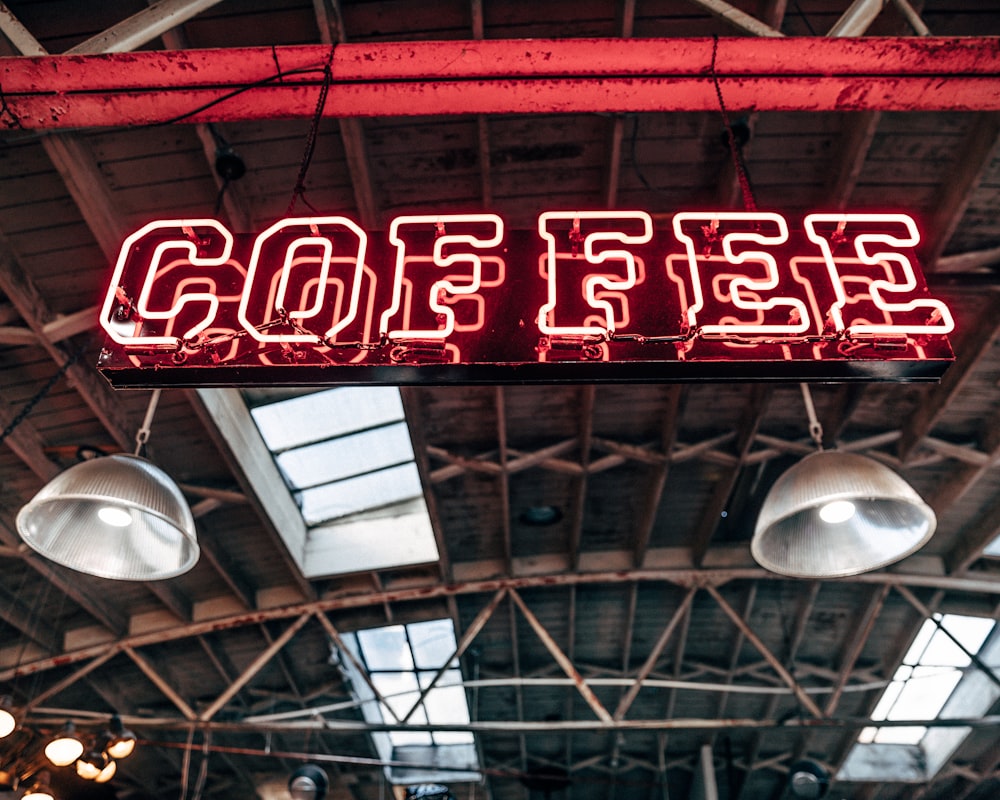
point(717, 295)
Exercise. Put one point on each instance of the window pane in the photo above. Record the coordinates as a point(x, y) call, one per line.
point(366, 492)
point(889, 697)
point(920, 643)
point(433, 643)
point(322, 415)
point(337, 459)
point(399, 690)
point(386, 648)
point(925, 693)
point(905, 734)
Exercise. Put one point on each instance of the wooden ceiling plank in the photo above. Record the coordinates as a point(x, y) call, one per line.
point(232, 575)
point(858, 18)
point(94, 390)
point(746, 430)
point(330, 22)
point(26, 619)
point(971, 350)
point(515, 649)
point(684, 577)
point(972, 261)
point(807, 603)
point(158, 681)
point(18, 35)
point(680, 613)
point(227, 420)
point(26, 443)
point(976, 153)
point(413, 411)
point(482, 123)
point(560, 658)
point(807, 702)
point(235, 202)
point(853, 648)
point(506, 532)
point(578, 500)
point(974, 538)
point(738, 19)
point(176, 601)
point(625, 12)
point(142, 27)
point(41, 697)
point(853, 144)
point(255, 666)
point(737, 648)
point(960, 481)
point(658, 479)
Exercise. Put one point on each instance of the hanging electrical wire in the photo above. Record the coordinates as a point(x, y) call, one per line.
point(298, 191)
point(734, 149)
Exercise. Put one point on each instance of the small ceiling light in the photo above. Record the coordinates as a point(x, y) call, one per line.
point(121, 741)
point(7, 720)
point(308, 782)
point(108, 772)
point(117, 517)
point(808, 780)
point(90, 765)
point(65, 747)
point(40, 789)
point(836, 514)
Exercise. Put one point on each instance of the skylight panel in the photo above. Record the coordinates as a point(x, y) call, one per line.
point(347, 456)
point(354, 486)
point(932, 668)
point(372, 491)
point(402, 661)
point(324, 415)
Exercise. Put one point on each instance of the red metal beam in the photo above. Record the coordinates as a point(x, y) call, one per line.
point(503, 76)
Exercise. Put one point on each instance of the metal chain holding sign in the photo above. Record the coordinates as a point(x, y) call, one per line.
point(39, 395)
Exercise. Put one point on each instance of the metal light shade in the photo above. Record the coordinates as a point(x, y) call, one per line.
point(115, 517)
point(835, 514)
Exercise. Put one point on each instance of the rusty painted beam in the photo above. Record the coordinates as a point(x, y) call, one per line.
point(503, 76)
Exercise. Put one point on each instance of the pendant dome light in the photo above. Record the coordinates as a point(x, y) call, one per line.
point(835, 514)
point(117, 517)
point(65, 747)
point(120, 740)
point(8, 722)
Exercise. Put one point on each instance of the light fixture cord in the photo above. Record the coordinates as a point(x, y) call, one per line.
point(142, 436)
point(749, 203)
point(815, 429)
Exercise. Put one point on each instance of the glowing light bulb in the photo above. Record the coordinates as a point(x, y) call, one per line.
point(116, 516)
point(107, 773)
point(64, 751)
point(837, 511)
point(7, 723)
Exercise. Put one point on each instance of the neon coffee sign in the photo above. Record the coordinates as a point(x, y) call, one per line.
point(588, 295)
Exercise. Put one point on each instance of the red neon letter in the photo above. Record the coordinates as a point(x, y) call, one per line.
point(449, 285)
point(137, 272)
point(696, 229)
point(597, 286)
point(929, 316)
point(290, 277)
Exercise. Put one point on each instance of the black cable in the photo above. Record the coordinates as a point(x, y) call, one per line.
point(279, 77)
point(298, 191)
point(39, 395)
point(748, 199)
